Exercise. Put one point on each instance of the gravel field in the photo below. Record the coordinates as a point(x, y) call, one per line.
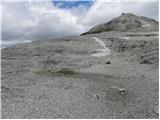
point(59, 78)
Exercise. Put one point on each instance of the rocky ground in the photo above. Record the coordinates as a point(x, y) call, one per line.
point(61, 78)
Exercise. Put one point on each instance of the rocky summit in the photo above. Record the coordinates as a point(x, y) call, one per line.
point(126, 22)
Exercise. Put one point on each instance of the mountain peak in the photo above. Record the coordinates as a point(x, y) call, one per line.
point(126, 22)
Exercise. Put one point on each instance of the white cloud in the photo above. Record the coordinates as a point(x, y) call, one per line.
point(38, 20)
point(30, 20)
point(105, 10)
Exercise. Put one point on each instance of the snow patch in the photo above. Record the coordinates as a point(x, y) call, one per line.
point(119, 23)
point(127, 38)
point(146, 25)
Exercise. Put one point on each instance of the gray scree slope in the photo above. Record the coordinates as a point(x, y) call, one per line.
point(59, 78)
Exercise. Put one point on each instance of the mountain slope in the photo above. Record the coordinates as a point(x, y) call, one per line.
point(126, 22)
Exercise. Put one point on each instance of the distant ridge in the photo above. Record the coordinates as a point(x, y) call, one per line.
point(126, 22)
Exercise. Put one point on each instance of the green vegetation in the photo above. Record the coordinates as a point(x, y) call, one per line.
point(64, 71)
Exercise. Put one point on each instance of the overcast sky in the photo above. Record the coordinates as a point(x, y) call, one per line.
point(30, 20)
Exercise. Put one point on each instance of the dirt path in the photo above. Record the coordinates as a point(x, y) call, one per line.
point(101, 52)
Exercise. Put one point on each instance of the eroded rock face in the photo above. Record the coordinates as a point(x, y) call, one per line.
point(126, 22)
point(142, 51)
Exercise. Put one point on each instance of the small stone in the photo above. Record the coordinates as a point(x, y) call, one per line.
point(121, 91)
point(96, 96)
point(108, 62)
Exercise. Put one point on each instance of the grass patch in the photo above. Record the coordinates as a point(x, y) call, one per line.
point(58, 72)
point(64, 71)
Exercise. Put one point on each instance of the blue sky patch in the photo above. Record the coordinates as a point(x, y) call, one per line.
point(70, 4)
